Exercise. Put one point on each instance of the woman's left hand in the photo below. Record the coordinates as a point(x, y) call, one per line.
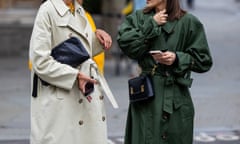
point(83, 80)
point(104, 38)
point(167, 58)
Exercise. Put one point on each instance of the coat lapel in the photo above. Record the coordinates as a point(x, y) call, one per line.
point(169, 26)
point(77, 23)
point(60, 6)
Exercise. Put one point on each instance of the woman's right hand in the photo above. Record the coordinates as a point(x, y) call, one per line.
point(161, 17)
point(82, 81)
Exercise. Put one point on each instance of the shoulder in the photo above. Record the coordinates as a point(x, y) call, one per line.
point(139, 12)
point(142, 14)
point(47, 12)
point(191, 20)
point(46, 8)
point(135, 14)
point(138, 16)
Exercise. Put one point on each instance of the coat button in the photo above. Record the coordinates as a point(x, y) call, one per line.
point(164, 136)
point(86, 34)
point(165, 117)
point(167, 74)
point(81, 122)
point(80, 101)
point(101, 97)
point(70, 35)
point(103, 118)
point(146, 41)
point(192, 63)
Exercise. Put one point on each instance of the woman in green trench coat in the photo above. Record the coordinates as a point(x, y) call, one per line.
point(163, 25)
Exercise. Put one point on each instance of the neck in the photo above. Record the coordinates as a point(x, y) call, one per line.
point(161, 6)
point(80, 1)
point(68, 2)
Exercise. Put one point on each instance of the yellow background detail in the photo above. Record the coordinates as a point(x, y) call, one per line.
point(99, 59)
point(128, 8)
point(71, 7)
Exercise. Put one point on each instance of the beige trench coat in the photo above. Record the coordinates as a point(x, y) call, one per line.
point(60, 114)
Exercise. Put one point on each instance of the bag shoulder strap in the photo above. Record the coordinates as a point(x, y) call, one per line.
point(35, 85)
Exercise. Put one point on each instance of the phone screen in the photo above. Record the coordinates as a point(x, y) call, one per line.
point(155, 52)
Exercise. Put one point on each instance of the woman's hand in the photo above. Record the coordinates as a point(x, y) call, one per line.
point(104, 38)
point(82, 81)
point(160, 17)
point(167, 58)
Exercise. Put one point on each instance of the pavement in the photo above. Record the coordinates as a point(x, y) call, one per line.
point(215, 94)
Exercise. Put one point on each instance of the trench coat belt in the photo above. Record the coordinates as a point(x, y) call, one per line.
point(169, 89)
point(104, 85)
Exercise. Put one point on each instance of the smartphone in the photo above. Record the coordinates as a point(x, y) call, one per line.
point(155, 52)
point(89, 87)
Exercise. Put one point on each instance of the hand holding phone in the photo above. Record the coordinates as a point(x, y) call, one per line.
point(89, 87)
point(155, 52)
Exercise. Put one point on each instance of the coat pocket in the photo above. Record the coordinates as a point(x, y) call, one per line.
point(183, 102)
point(52, 92)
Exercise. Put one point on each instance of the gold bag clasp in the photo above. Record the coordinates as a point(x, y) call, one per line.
point(131, 90)
point(142, 88)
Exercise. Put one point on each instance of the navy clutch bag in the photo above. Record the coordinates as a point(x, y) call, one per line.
point(71, 52)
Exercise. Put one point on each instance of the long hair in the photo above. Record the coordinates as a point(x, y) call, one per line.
point(173, 9)
point(43, 1)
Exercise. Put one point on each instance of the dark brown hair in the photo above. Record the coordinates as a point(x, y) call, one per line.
point(173, 9)
point(43, 1)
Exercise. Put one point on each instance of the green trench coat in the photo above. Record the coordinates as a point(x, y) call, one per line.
point(168, 117)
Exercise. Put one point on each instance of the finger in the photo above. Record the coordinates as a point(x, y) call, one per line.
point(106, 45)
point(81, 85)
point(164, 17)
point(83, 88)
point(85, 79)
point(109, 44)
point(94, 81)
point(163, 11)
point(101, 39)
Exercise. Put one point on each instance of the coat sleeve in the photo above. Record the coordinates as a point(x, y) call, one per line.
point(48, 69)
point(97, 47)
point(133, 37)
point(196, 55)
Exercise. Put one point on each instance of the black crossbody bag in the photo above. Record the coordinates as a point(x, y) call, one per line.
point(140, 88)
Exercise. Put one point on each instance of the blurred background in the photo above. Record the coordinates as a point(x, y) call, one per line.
point(216, 94)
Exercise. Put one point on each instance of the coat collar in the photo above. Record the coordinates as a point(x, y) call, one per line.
point(169, 26)
point(78, 23)
point(62, 8)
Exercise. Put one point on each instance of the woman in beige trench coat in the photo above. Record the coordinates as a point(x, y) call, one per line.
point(61, 114)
